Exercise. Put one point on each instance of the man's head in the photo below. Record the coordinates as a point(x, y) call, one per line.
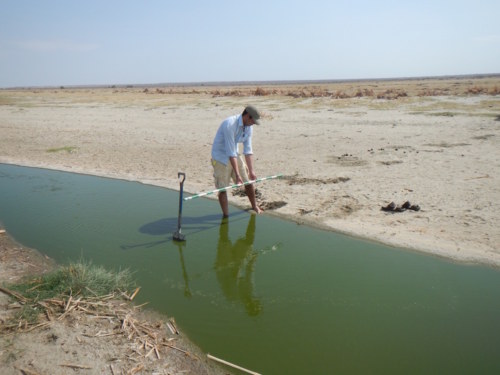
point(251, 116)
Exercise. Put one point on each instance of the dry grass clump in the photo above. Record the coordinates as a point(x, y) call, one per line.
point(341, 95)
point(170, 91)
point(434, 92)
point(365, 92)
point(233, 92)
point(75, 281)
point(349, 93)
point(259, 91)
point(310, 92)
point(494, 91)
point(81, 291)
point(392, 94)
point(297, 94)
point(478, 90)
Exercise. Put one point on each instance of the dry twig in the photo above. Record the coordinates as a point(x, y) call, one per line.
point(176, 348)
point(171, 326)
point(74, 366)
point(27, 372)
point(135, 293)
point(14, 294)
point(135, 370)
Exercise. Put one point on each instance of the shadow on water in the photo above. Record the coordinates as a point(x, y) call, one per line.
point(167, 226)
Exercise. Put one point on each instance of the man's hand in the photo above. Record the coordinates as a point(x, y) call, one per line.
point(238, 179)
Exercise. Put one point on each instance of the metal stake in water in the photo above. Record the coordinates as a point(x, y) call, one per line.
point(178, 236)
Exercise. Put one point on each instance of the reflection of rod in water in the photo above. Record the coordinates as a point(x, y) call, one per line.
point(187, 291)
point(232, 187)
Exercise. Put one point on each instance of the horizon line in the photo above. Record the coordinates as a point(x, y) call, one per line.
point(252, 83)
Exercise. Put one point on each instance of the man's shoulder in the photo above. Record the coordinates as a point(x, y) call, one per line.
point(231, 120)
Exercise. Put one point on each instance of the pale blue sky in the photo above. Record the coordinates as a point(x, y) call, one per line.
point(87, 42)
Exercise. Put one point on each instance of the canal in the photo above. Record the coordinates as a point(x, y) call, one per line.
point(264, 293)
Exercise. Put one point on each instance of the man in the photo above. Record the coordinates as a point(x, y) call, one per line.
point(226, 161)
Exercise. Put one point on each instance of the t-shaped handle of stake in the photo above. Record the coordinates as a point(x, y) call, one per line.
point(178, 236)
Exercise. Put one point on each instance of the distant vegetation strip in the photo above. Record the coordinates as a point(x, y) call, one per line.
point(323, 92)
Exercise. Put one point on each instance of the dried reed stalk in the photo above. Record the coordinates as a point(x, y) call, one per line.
point(14, 294)
point(135, 293)
point(231, 365)
point(74, 366)
point(145, 336)
point(27, 372)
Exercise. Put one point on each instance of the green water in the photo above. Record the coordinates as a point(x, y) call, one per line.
point(264, 293)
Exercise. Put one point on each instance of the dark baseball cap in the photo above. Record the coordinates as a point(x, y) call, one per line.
point(252, 111)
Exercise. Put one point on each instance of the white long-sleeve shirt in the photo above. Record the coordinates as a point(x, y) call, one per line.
point(231, 132)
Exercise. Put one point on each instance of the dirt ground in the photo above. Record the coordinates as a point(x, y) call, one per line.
point(82, 343)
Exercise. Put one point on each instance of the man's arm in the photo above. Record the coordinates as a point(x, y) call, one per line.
point(251, 172)
point(234, 163)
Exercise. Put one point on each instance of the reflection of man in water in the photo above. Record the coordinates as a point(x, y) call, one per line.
point(234, 266)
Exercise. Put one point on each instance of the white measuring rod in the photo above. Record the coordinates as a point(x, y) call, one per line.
point(232, 187)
